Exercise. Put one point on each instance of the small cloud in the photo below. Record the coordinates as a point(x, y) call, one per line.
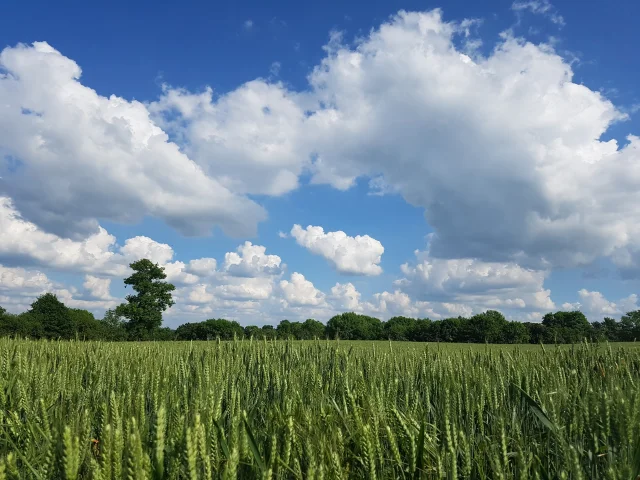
point(282, 234)
point(539, 7)
point(296, 46)
point(274, 70)
point(277, 23)
point(248, 24)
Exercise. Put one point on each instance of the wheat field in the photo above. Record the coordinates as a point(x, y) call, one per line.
point(317, 409)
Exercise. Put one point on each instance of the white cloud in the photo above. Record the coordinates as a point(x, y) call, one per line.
point(539, 7)
point(98, 287)
point(494, 183)
point(248, 24)
point(251, 261)
point(274, 69)
point(20, 287)
point(300, 291)
point(80, 156)
point(202, 267)
point(595, 306)
point(359, 255)
point(23, 280)
point(476, 284)
point(23, 242)
point(443, 127)
point(144, 247)
point(248, 138)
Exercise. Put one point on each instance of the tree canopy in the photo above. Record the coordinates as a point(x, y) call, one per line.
point(153, 296)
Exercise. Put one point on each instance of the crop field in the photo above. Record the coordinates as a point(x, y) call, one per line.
point(317, 409)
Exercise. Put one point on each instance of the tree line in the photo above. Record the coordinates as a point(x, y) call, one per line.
point(140, 318)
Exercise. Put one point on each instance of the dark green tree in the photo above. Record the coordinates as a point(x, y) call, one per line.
point(311, 329)
point(423, 330)
point(269, 332)
point(400, 328)
point(287, 329)
point(113, 326)
point(515, 332)
point(85, 324)
point(630, 326)
point(252, 331)
point(153, 296)
point(486, 327)
point(53, 315)
point(353, 326)
point(566, 327)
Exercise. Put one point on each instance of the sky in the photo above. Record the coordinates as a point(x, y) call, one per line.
point(292, 160)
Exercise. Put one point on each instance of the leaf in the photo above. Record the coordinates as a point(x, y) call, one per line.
point(254, 448)
point(635, 466)
point(536, 409)
point(419, 465)
point(223, 441)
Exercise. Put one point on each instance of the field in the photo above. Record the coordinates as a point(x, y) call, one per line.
point(318, 409)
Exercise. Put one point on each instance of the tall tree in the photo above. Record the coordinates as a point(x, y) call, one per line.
point(53, 315)
point(153, 296)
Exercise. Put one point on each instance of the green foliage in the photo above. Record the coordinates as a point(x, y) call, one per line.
point(400, 328)
point(566, 327)
point(311, 329)
point(53, 315)
point(319, 409)
point(153, 296)
point(210, 330)
point(353, 326)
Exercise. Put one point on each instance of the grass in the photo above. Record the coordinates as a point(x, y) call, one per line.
point(318, 409)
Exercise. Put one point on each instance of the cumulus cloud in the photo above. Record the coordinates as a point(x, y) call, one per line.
point(359, 255)
point(23, 242)
point(595, 306)
point(19, 287)
point(409, 107)
point(494, 183)
point(481, 285)
point(71, 156)
point(300, 291)
point(98, 287)
point(443, 127)
point(248, 138)
point(251, 261)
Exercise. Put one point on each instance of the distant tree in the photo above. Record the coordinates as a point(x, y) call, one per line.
point(85, 325)
point(252, 331)
point(269, 332)
point(287, 329)
point(153, 296)
point(423, 330)
point(537, 332)
point(223, 329)
point(629, 329)
point(209, 330)
point(113, 326)
point(486, 327)
point(311, 329)
point(53, 315)
point(566, 327)
point(515, 332)
point(450, 329)
point(353, 326)
point(399, 328)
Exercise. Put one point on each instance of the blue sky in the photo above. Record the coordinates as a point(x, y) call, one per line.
point(491, 142)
